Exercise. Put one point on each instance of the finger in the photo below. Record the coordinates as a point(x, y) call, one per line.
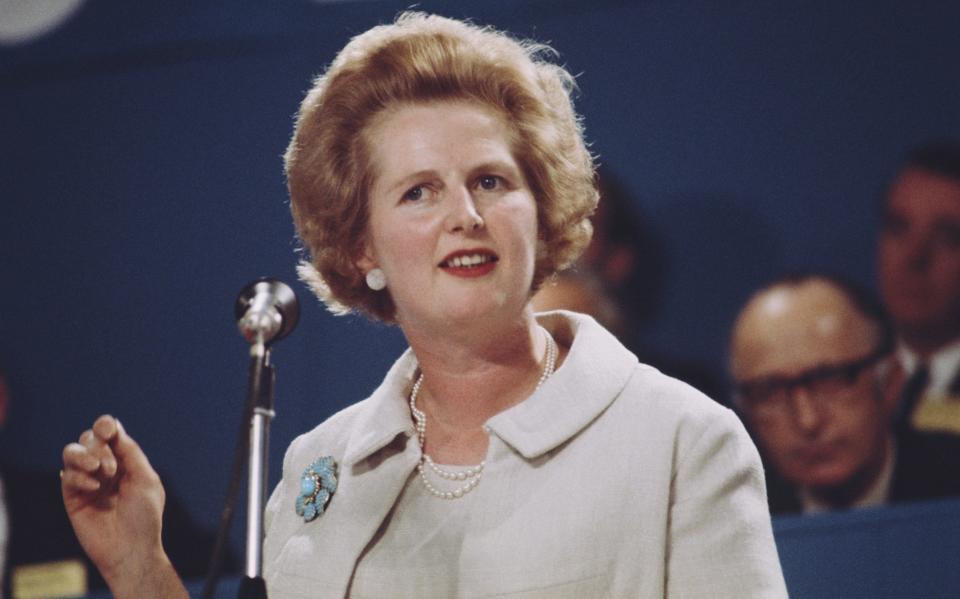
point(76, 481)
point(78, 457)
point(101, 449)
point(129, 453)
point(87, 439)
point(105, 428)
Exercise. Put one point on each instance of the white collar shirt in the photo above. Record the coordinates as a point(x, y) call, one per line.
point(944, 367)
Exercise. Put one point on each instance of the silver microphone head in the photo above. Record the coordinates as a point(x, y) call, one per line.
point(266, 311)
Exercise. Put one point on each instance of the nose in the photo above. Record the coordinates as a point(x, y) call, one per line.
point(807, 411)
point(463, 215)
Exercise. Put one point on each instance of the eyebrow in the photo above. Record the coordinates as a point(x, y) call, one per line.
point(508, 168)
point(497, 165)
point(406, 181)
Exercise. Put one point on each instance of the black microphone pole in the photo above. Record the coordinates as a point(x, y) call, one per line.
point(266, 311)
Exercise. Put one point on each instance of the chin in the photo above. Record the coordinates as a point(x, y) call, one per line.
point(476, 305)
point(919, 322)
point(469, 313)
point(826, 475)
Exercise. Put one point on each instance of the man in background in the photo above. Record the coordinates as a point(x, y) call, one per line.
point(810, 356)
point(620, 281)
point(919, 269)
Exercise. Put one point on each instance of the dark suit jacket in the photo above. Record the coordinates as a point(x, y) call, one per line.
point(40, 530)
point(928, 467)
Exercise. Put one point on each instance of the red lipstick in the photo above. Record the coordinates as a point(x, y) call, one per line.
point(469, 263)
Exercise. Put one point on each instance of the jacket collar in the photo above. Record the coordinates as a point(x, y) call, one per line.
point(594, 372)
point(386, 413)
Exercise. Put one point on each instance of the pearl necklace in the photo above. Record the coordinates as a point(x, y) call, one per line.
point(470, 476)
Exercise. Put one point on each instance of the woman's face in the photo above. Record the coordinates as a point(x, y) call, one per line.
point(453, 224)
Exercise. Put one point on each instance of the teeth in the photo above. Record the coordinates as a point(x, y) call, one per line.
point(468, 261)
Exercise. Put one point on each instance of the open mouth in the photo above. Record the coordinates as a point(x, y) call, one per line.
point(474, 260)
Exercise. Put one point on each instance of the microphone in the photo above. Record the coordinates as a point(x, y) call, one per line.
point(266, 311)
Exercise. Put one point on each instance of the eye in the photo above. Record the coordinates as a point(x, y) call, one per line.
point(489, 182)
point(829, 383)
point(414, 194)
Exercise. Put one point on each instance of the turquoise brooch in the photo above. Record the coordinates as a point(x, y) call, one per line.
point(317, 484)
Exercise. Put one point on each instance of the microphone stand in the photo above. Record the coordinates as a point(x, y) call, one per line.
point(260, 411)
point(266, 311)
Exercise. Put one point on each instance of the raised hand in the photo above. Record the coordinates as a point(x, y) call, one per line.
point(114, 499)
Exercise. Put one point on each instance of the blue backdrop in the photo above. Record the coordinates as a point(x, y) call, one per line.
point(141, 185)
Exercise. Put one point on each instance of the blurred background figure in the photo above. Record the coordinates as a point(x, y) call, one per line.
point(619, 281)
point(810, 356)
point(626, 255)
point(40, 554)
point(919, 267)
point(581, 290)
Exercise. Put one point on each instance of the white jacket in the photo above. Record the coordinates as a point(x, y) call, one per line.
point(611, 480)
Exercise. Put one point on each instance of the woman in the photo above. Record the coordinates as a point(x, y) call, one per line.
point(438, 176)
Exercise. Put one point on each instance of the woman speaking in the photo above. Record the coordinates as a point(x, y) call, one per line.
point(438, 176)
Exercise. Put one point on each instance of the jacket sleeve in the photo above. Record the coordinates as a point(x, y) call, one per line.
point(720, 540)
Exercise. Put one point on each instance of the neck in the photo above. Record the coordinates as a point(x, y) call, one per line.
point(468, 377)
point(926, 343)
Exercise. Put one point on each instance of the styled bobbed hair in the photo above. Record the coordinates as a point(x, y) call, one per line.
point(419, 59)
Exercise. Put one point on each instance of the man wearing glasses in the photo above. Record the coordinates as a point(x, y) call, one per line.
point(811, 360)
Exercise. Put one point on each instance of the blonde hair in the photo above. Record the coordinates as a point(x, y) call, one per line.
point(422, 58)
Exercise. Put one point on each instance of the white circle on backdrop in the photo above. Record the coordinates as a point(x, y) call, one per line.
point(26, 20)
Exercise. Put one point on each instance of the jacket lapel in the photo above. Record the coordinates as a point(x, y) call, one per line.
point(318, 557)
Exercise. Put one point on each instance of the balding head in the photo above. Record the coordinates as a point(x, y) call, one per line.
point(805, 354)
point(795, 325)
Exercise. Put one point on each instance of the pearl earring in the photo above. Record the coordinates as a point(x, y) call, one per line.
point(376, 280)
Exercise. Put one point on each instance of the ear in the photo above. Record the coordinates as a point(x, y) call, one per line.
point(365, 260)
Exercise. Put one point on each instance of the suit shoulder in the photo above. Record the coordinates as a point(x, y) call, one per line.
point(333, 433)
point(659, 394)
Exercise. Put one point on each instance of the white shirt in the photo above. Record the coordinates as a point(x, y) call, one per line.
point(944, 366)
